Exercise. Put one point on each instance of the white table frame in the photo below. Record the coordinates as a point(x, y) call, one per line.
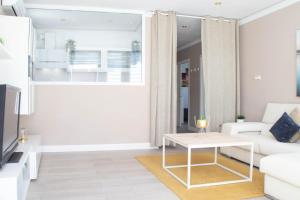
point(215, 162)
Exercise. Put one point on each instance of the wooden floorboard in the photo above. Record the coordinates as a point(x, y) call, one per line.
point(104, 175)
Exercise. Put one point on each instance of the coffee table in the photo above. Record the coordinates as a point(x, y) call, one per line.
point(206, 140)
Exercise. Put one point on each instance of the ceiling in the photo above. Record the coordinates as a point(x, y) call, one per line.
point(63, 19)
point(230, 8)
point(188, 31)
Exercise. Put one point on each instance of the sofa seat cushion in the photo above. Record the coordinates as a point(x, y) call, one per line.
point(272, 146)
point(266, 144)
point(253, 137)
point(284, 167)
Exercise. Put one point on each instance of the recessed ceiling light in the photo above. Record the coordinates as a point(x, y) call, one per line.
point(218, 2)
point(184, 26)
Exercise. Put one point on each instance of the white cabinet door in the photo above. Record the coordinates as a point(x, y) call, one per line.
point(15, 32)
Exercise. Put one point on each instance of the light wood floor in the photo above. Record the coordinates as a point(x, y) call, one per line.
point(97, 176)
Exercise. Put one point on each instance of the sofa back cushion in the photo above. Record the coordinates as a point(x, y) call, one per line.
point(275, 110)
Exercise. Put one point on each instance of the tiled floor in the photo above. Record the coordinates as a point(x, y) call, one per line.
point(97, 176)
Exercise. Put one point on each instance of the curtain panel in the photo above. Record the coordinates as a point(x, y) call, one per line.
point(163, 77)
point(220, 71)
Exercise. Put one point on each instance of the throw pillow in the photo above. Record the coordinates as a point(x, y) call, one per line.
point(285, 128)
point(295, 115)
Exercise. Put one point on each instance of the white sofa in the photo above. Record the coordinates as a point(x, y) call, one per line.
point(282, 177)
point(278, 161)
point(264, 142)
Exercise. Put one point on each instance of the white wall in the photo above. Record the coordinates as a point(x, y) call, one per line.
point(267, 48)
point(83, 115)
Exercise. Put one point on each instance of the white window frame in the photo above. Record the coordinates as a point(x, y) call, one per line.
point(143, 14)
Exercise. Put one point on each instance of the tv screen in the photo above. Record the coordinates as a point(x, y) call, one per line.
point(9, 121)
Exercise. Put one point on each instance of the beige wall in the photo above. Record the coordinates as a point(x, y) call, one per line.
point(70, 115)
point(193, 54)
point(267, 48)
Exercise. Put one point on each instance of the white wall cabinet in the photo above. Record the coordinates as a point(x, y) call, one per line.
point(17, 33)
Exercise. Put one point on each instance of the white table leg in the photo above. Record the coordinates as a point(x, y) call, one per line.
point(189, 169)
point(216, 155)
point(251, 162)
point(164, 152)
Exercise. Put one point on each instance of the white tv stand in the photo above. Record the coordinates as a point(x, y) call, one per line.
point(15, 177)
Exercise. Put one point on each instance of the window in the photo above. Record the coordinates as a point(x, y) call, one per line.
point(84, 65)
point(118, 59)
point(85, 60)
point(95, 47)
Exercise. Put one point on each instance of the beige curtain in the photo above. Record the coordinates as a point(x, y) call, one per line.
point(220, 71)
point(163, 78)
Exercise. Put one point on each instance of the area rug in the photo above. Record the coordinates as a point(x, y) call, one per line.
point(205, 174)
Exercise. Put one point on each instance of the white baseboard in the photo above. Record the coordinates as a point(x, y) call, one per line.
point(97, 147)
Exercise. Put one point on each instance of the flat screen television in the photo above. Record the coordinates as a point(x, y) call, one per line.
point(10, 99)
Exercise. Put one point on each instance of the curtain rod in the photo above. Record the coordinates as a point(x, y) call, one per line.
point(200, 17)
point(197, 17)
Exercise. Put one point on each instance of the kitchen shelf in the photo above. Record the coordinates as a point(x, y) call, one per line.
point(4, 53)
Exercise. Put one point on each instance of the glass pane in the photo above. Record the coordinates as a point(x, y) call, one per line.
point(102, 77)
point(118, 59)
point(84, 65)
point(84, 76)
point(51, 74)
point(87, 46)
point(88, 58)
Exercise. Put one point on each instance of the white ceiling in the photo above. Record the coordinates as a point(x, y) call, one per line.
point(188, 30)
point(62, 19)
point(126, 22)
point(229, 8)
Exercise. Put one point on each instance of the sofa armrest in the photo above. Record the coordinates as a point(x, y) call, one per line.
point(236, 128)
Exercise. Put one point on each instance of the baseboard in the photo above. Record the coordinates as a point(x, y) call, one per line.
point(97, 147)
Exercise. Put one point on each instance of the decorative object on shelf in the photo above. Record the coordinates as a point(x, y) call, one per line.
point(23, 137)
point(1, 41)
point(70, 45)
point(218, 2)
point(136, 53)
point(240, 119)
point(201, 123)
point(136, 46)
